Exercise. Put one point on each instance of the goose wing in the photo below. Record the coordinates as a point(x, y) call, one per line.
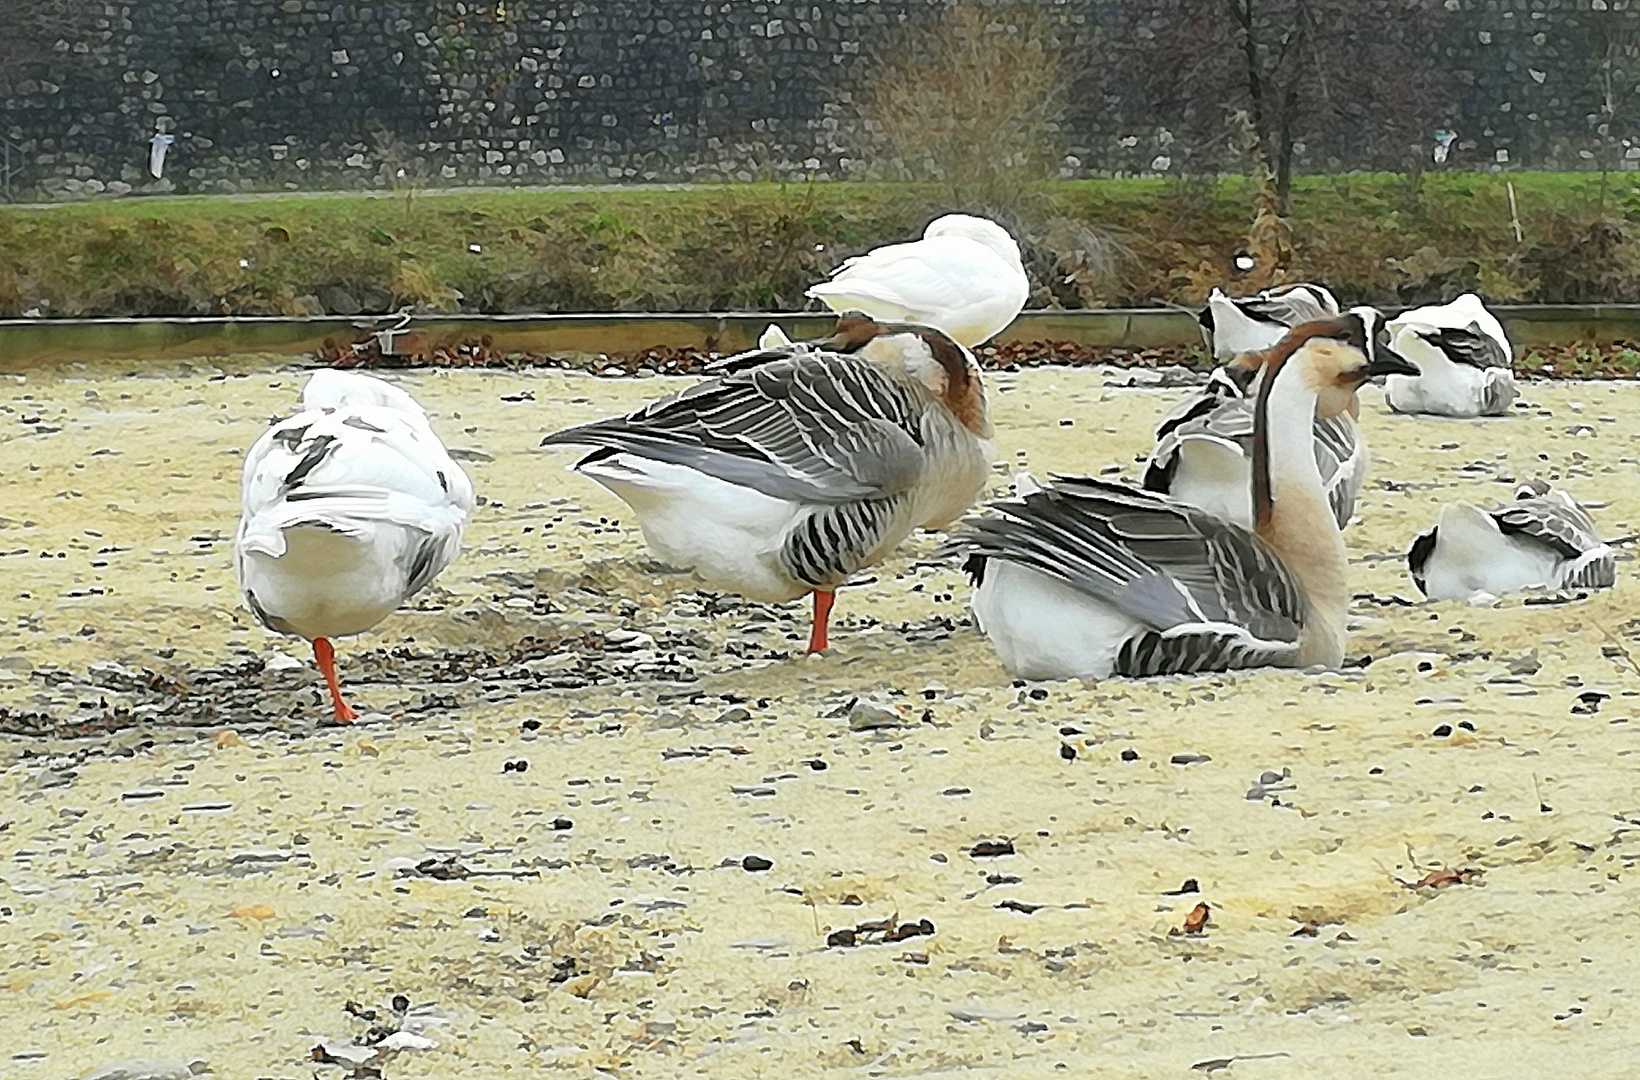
point(815, 428)
point(1469, 345)
point(1290, 306)
point(1181, 572)
point(1560, 526)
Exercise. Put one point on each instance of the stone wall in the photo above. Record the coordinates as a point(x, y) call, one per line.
point(313, 94)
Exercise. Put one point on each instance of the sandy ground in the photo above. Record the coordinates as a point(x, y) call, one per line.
point(194, 870)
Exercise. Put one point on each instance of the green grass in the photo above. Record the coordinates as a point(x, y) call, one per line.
point(1373, 237)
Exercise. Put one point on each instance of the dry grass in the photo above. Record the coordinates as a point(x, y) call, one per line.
point(974, 102)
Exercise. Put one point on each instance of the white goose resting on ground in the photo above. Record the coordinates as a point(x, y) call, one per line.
point(1542, 540)
point(1204, 448)
point(1087, 579)
point(350, 507)
point(791, 472)
point(1232, 326)
point(1465, 361)
point(964, 277)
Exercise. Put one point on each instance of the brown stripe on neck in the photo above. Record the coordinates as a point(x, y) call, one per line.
point(1346, 328)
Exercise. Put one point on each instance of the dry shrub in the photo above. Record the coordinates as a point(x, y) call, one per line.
point(974, 101)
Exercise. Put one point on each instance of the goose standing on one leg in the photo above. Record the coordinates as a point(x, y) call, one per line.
point(964, 277)
point(786, 476)
point(1542, 540)
point(1464, 359)
point(1088, 579)
point(1232, 326)
point(349, 508)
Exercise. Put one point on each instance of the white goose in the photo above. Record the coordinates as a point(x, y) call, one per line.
point(350, 507)
point(1232, 326)
point(1464, 361)
point(1542, 540)
point(1087, 579)
point(1203, 452)
point(964, 277)
point(798, 468)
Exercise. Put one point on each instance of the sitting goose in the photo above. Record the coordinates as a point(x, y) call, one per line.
point(964, 278)
point(1464, 361)
point(1203, 452)
point(1235, 325)
point(792, 471)
point(1086, 578)
point(1541, 540)
point(350, 507)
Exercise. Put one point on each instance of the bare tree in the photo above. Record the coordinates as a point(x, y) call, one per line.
point(1346, 75)
point(31, 29)
point(974, 101)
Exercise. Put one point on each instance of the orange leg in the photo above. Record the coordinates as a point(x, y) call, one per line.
point(822, 617)
point(325, 656)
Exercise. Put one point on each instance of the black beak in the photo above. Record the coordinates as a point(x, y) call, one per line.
point(1386, 361)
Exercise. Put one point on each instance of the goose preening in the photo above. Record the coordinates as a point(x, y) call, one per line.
point(1086, 578)
point(799, 467)
point(964, 277)
point(1541, 540)
point(350, 507)
point(1464, 359)
point(1235, 325)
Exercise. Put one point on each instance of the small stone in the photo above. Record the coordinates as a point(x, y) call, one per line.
point(756, 863)
point(1130, 755)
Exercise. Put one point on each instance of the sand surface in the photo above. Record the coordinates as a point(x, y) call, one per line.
point(191, 868)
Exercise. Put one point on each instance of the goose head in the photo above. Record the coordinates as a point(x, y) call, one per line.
point(1335, 357)
point(978, 229)
point(922, 353)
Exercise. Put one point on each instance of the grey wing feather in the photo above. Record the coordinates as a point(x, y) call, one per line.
point(1339, 453)
point(1566, 529)
point(1161, 563)
point(1288, 308)
point(1470, 345)
point(817, 427)
point(833, 541)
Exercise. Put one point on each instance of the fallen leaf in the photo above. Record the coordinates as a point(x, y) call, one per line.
point(259, 912)
point(83, 999)
point(1196, 921)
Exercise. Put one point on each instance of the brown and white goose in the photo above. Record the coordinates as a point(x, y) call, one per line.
point(1087, 579)
point(1204, 448)
point(801, 464)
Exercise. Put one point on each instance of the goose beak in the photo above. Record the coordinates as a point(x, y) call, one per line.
point(1386, 361)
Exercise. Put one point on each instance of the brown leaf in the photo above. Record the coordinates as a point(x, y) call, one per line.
point(1196, 922)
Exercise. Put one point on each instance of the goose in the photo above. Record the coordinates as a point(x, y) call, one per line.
point(964, 278)
point(1203, 452)
point(1464, 361)
point(1087, 578)
point(1541, 540)
point(1233, 326)
point(349, 508)
point(795, 469)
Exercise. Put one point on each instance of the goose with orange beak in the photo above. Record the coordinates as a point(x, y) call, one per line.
point(1088, 579)
point(802, 464)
